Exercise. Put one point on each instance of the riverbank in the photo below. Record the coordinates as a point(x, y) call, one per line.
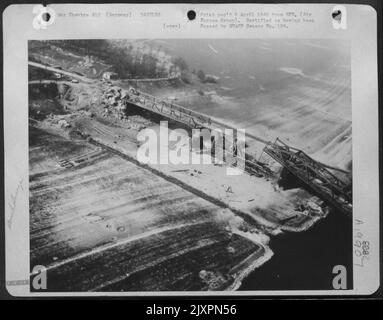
point(304, 261)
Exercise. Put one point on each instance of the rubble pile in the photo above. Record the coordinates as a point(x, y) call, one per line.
point(114, 101)
point(62, 121)
point(309, 208)
point(138, 122)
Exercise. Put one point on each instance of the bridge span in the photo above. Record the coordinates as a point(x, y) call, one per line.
point(317, 177)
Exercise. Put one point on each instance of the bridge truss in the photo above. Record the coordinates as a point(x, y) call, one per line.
point(312, 173)
point(170, 110)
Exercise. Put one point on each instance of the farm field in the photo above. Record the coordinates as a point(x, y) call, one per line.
point(99, 222)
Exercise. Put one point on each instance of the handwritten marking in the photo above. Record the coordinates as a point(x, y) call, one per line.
point(361, 246)
point(13, 202)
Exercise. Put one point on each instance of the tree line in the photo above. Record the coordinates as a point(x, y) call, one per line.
point(127, 62)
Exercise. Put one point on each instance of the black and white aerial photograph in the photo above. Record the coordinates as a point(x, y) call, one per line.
point(190, 165)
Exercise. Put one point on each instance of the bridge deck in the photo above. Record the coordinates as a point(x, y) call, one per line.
point(170, 110)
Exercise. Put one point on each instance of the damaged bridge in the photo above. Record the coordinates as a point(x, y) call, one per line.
point(313, 173)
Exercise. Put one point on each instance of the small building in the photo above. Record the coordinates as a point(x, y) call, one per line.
point(109, 75)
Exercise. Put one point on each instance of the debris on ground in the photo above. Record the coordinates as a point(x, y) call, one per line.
point(114, 100)
point(228, 189)
point(231, 250)
point(309, 208)
point(63, 124)
point(213, 279)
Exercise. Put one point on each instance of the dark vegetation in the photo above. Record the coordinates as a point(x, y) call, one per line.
point(127, 62)
point(43, 101)
point(201, 75)
point(39, 74)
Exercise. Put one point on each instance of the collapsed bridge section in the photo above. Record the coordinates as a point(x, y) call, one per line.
point(314, 174)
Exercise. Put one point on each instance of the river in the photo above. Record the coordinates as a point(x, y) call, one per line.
point(304, 261)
